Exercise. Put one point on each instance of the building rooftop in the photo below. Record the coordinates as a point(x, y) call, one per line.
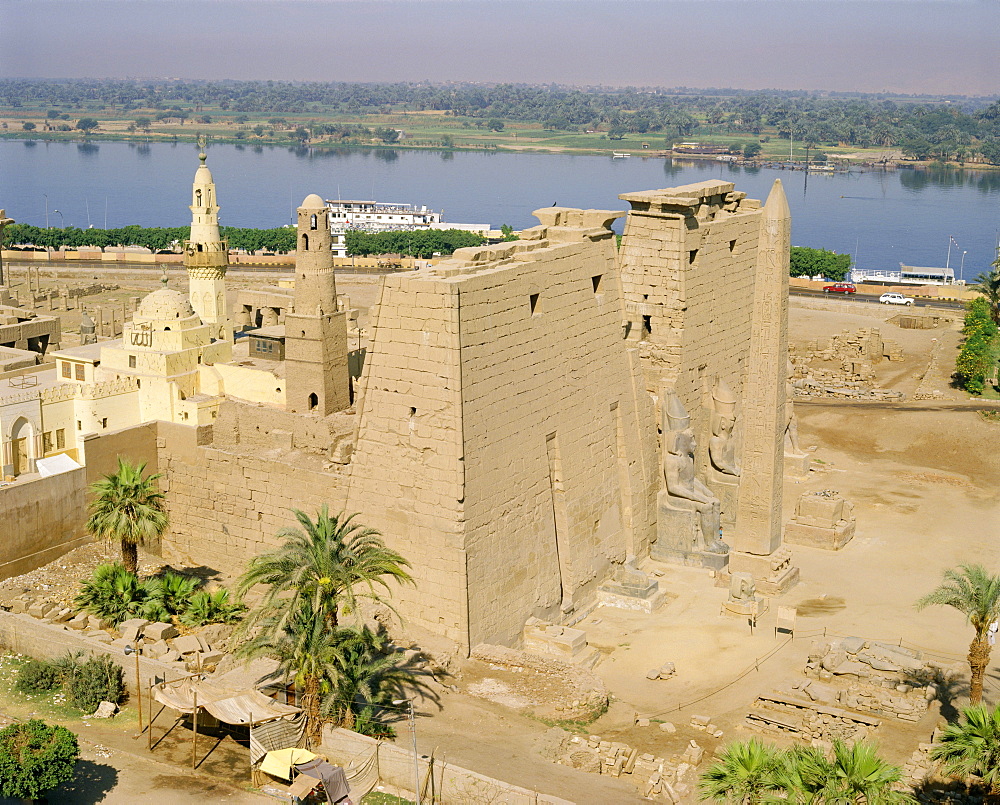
point(87, 352)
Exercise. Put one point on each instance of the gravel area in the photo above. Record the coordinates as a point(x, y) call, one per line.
point(59, 581)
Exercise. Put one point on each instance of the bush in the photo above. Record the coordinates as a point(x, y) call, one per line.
point(35, 758)
point(174, 591)
point(97, 680)
point(37, 676)
point(115, 594)
point(976, 360)
point(205, 607)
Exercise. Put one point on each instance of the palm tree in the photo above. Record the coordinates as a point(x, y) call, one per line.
point(128, 508)
point(371, 674)
point(972, 748)
point(746, 773)
point(804, 774)
point(976, 594)
point(304, 649)
point(988, 284)
point(859, 775)
point(322, 563)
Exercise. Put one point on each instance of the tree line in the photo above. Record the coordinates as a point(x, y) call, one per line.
point(417, 243)
point(922, 127)
point(422, 243)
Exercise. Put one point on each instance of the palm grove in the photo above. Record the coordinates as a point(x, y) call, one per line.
point(323, 572)
point(922, 127)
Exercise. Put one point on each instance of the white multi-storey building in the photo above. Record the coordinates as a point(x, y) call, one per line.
point(385, 216)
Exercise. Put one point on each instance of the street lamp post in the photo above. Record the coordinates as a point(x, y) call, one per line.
point(62, 220)
point(961, 268)
point(413, 732)
point(46, 209)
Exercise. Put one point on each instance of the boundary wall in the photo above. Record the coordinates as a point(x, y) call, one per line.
point(451, 783)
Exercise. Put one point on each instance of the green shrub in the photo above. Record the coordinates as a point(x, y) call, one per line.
point(115, 594)
point(35, 758)
point(976, 360)
point(97, 680)
point(174, 591)
point(36, 676)
point(205, 607)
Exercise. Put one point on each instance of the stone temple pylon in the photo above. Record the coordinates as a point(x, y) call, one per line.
point(756, 540)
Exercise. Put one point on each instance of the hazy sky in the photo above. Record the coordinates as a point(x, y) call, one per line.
point(942, 46)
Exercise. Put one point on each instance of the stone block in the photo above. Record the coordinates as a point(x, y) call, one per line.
point(62, 616)
point(668, 727)
point(40, 609)
point(19, 606)
point(159, 631)
point(100, 636)
point(79, 621)
point(171, 656)
point(156, 649)
point(93, 622)
point(187, 644)
point(211, 658)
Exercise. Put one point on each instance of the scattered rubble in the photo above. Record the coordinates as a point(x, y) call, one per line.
point(844, 366)
point(671, 779)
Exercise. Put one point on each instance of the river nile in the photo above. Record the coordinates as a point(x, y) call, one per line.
point(883, 217)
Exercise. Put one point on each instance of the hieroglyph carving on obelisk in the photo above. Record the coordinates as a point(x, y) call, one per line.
point(758, 514)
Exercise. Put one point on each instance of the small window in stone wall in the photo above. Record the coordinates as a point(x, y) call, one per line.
point(104, 422)
point(597, 282)
point(131, 361)
point(533, 302)
point(47, 442)
point(79, 371)
point(692, 255)
point(60, 438)
point(732, 245)
point(67, 369)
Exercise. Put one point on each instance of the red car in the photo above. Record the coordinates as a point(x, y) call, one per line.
point(840, 287)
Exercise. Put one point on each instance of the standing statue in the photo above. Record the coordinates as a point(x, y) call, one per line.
point(792, 448)
point(684, 489)
point(722, 445)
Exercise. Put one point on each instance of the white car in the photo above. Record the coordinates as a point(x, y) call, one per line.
point(895, 299)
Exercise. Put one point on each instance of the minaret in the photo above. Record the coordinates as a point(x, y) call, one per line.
point(316, 372)
point(206, 255)
point(757, 536)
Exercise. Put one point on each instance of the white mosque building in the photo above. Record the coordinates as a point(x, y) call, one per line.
point(176, 360)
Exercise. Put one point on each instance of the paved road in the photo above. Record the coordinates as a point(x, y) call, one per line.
point(873, 298)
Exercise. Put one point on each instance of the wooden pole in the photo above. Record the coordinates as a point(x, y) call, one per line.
point(194, 740)
point(149, 732)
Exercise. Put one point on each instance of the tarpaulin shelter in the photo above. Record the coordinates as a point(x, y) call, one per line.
point(278, 726)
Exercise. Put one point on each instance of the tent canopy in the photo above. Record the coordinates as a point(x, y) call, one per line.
point(242, 707)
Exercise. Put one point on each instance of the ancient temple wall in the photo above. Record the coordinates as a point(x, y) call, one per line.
point(407, 472)
point(506, 445)
point(554, 485)
point(688, 263)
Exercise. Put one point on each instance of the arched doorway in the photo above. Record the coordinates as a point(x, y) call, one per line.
point(22, 446)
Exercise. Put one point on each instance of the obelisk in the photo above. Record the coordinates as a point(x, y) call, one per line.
point(757, 535)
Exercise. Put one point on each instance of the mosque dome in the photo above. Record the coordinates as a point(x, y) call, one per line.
point(312, 202)
point(164, 305)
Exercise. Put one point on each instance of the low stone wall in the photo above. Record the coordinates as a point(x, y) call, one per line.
point(40, 520)
point(451, 783)
point(24, 634)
